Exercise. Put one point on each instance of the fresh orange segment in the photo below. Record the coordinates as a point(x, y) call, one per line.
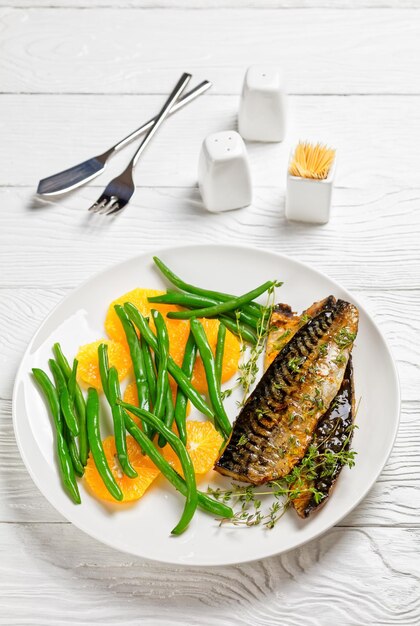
point(130, 394)
point(230, 358)
point(178, 330)
point(132, 488)
point(203, 445)
point(88, 369)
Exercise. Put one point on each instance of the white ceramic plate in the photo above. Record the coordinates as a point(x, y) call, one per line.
point(144, 529)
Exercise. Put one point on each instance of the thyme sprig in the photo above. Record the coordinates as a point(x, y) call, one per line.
point(248, 368)
point(300, 481)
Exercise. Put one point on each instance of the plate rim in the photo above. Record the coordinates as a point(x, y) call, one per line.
point(162, 251)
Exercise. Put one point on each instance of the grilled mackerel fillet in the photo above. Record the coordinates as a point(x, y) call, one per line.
point(334, 429)
point(276, 425)
point(333, 433)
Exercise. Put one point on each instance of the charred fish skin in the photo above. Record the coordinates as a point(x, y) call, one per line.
point(274, 428)
point(333, 433)
point(284, 324)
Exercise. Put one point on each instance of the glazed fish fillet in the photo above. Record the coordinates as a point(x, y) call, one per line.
point(277, 423)
point(334, 429)
point(333, 433)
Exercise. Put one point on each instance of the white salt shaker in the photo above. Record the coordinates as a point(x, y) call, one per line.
point(224, 176)
point(262, 110)
point(308, 199)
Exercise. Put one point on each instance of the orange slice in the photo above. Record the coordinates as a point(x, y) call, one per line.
point(203, 445)
point(178, 330)
point(230, 358)
point(131, 397)
point(88, 369)
point(132, 488)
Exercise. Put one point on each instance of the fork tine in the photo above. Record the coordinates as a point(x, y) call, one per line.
point(98, 205)
point(112, 206)
point(118, 207)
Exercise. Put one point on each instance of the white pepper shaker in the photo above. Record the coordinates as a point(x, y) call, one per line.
point(263, 106)
point(224, 175)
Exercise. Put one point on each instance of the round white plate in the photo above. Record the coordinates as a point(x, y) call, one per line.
point(144, 529)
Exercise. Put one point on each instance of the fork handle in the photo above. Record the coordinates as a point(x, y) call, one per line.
point(189, 97)
point(159, 119)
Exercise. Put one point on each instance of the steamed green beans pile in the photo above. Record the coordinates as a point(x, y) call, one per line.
point(77, 422)
point(240, 314)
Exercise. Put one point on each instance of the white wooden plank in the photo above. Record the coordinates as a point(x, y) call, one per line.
point(143, 51)
point(369, 243)
point(213, 4)
point(376, 149)
point(53, 574)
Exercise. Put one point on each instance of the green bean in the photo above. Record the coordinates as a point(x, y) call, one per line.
point(193, 301)
point(103, 363)
point(69, 436)
point(162, 375)
point(253, 307)
point(79, 402)
point(179, 376)
point(118, 419)
point(164, 408)
point(64, 460)
point(242, 331)
point(72, 381)
point(169, 415)
point(74, 452)
point(137, 360)
point(220, 350)
point(59, 378)
point(186, 463)
point(64, 397)
point(224, 307)
point(188, 362)
point(97, 449)
point(207, 357)
point(68, 411)
point(150, 369)
point(205, 502)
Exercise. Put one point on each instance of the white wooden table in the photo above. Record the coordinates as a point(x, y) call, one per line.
point(77, 75)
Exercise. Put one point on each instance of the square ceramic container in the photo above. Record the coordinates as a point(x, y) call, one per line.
point(309, 200)
point(224, 176)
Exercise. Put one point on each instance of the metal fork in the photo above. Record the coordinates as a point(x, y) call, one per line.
point(119, 191)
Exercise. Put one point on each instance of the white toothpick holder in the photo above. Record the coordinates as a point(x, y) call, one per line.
point(308, 199)
point(224, 175)
point(263, 106)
